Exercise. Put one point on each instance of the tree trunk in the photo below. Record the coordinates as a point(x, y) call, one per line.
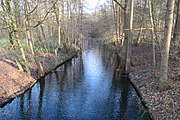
point(115, 20)
point(16, 33)
point(166, 45)
point(121, 39)
point(43, 33)
point(30, 41)
point(10, 33)
point(81, 24)
point(152, 37)
point(130, 38)
point(126, 13)
point(139, 40)
point(58, 19)
point(17, 12)
point(155, 17)
point(176, 35)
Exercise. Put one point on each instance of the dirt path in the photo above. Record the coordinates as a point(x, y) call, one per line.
point(12, 82)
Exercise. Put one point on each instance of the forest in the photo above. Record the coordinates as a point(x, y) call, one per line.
point(38, 35)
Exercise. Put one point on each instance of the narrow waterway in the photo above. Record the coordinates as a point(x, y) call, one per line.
point(87, 88)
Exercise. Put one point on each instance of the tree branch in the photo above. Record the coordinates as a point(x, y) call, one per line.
point(119, 5)
point(40, 22)
point(33, 10)
point(2, 20)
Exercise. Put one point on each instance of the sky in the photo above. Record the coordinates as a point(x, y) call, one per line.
point(90, 5)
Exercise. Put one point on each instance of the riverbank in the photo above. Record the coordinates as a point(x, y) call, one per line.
point(14, 82)
point(164, 105)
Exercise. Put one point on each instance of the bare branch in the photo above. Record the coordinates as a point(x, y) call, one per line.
point(40, 22)
point(138, 29)
point(33, 10)
point(2, 20)
point(119, 5)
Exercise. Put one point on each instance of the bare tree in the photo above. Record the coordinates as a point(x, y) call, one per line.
point(115, 11)
point(166, 45)
point(152, 37)
point(9, 17)
point(30, 41)
point(176, 34)
point(130, 37)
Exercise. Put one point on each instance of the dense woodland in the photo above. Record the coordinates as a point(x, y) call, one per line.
point(35, 27)
point(31, 27)
point(34, 31)
point(127, 23)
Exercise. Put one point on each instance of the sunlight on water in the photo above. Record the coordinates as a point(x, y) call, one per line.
point(87, 88)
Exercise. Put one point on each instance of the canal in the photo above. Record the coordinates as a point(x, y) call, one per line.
point(89, 87)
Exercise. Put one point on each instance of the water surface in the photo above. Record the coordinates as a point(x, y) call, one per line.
point(87, 88)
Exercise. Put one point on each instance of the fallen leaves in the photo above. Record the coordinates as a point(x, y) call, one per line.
point(164, 104)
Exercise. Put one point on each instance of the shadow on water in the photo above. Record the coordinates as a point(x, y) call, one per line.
point(89, 87)
point(42, 87)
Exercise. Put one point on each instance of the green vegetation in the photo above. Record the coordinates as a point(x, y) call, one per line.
point(45, 47)
point(4, 42)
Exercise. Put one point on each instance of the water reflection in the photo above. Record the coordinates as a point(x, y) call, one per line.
point(42, 87)
point(87, 88)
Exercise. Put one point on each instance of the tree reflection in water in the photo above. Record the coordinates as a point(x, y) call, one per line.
point(89, 87)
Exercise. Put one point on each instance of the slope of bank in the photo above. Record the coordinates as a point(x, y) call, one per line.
point(164, 105)
point(12, 82)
